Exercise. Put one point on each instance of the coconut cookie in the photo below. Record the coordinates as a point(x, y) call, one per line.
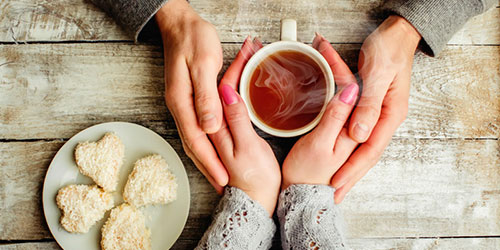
point(151, 182)
point(101, 160)
point(82, 206)
point(125, 230)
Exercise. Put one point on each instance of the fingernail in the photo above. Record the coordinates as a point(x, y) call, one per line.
point(318, 35)
point(208, 122)
point(228, 94)
point(257, 40)
point(349, 94)
point(322, 38)
point(257, 44)
point(361, 131)
point(316, 40)
point(248, 39)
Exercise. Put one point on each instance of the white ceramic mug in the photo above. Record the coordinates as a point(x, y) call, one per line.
point(288, 43)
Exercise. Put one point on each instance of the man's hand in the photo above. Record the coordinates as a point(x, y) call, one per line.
point(193, 59)
point(384, 66)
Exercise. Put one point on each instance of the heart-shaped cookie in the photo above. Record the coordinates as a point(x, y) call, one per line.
point(82, 206)
point(101, 160)
point(125, 229)
point(151, 182)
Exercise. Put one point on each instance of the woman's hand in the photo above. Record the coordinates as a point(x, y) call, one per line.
point(193, 59)
point(315, 157)
point(384, 66)
point(249, 160)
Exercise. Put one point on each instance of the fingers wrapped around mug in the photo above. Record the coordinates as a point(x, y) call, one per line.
point(249, 160)
point(316, 157)
point(335, 117)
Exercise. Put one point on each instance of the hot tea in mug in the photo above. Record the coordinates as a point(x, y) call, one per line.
point(287, 90)
point(286, 85)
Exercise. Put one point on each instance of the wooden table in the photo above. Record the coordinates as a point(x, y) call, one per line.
point(65, 65)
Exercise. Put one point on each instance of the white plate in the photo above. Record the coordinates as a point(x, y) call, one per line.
point(165, 221)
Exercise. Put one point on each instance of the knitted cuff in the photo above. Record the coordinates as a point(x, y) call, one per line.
point(301, 193)
point(309, 218)
point(133, 16)
point(238, 223)
point(235, 199)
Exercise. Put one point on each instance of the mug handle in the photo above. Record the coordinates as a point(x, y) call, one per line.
point(288, 30)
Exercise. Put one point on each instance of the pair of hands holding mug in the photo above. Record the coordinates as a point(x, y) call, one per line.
point(250, 161)
point(193, 58)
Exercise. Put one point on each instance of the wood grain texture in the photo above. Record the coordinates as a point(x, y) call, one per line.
point(68, 87)
point(21, 190)
point(434, 244)
point(358, 244)
point(429, 188)
point(343, 21)
point(439, 177)
point(30, 246)
point(481, 29)
point(62, 20)
point(420, 188)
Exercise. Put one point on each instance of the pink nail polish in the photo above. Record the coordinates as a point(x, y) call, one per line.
point(228, 94)
point(349, 94)
point(257, 44)
point(257, 40)
point(247, 40)
point(316, 40)
point(321, 37)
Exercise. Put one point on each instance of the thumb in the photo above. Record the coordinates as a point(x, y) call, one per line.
point(376, 83)
point(236, 115)
point(335, 116)
point(206, 98)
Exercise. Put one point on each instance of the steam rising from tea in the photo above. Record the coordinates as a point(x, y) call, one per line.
point(287, 90)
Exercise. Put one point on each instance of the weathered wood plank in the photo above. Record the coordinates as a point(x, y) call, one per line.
point(358, 244)
point(407, 244)
point(179, 245)
point(21, 191)
point(66, 20)
point(429, 188)
point(31, 245)
point(72, 86)
point(482, 29)
point(341, 21)
point(420, 188)
point(455, 94)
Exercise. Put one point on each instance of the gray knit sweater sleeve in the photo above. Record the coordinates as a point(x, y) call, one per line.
point(309, 218)
point(238, 223)
point(133, 15)
point(437, 20)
